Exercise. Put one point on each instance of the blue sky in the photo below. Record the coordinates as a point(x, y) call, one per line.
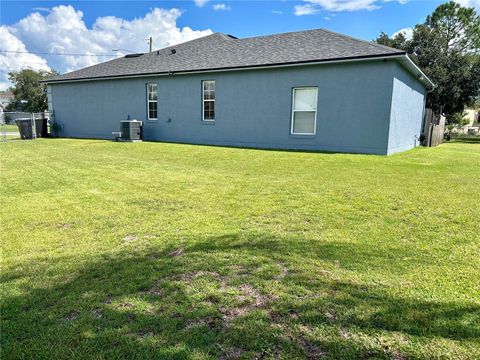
point(31, 31)
point(246, 18)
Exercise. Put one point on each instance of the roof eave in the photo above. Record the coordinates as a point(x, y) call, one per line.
point(415, 70)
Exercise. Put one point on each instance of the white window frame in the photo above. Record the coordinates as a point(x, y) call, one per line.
point(49, 98)
point(203, 100)
point(151, 101)
point(293, 110)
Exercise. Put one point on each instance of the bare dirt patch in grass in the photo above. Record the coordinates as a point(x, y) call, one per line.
point(130, 238)
point(398, 356)
point(97, 313)
point(312, 350)
point(72, 315)
point(231, 353)
point(210, 322)
point(124, 305)
point(250, 299)
point(330, 315)
point(156, 290)
point(177, 252)
point(344, 333)
point(142, 335)
point(246, 298)
point(283, 271)
point(150, 236)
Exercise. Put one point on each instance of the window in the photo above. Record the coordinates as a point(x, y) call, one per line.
point(49, 97)
point(208, 100)
point(152, 101)
point(304, 111)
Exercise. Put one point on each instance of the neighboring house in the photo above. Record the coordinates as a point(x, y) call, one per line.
point(472, 125)
point(5, 97)
point(310, 90)
point(473, 118)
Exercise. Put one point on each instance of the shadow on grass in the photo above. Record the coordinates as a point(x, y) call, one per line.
point(223, 297)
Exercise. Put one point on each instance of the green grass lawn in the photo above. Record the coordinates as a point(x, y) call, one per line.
point(10, 128)
point(167, 251)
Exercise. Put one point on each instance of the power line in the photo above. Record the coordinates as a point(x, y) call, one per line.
point(24, 62)
point(56, 54)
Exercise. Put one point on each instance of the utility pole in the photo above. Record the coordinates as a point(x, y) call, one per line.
point(150, 43)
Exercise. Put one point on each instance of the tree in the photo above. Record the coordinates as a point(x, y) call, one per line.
point(27, 89)
point(459, 119)
point(398, 41)
point(458, 27)
point(447, 48)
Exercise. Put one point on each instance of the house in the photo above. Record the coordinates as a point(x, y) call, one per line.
point(5, 97)
point(473, 124)
point(309, 90)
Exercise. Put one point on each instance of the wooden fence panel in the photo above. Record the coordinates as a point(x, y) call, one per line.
point(433, 129)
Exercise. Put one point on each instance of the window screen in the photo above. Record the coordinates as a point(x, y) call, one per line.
point(208, 101)
point(152, 101)
point(304, 111)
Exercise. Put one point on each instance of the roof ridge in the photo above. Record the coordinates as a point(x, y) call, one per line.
point(284, 33)
point(329, 32)
point(361, 40)
point(186, 42)
point(227, 36)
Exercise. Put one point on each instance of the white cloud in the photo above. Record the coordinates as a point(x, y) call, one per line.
point(277, 12)
point(44, 9)
point(307, 9)
point(221, 7)
point(200, 3)
point(14, 61)
point(315, 6)
point(408, 32)
point(470, 3)
point(63, 30)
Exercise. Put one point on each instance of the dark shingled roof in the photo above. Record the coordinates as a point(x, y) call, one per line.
point(220, 51)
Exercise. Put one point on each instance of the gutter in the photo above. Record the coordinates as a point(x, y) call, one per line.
point(414, 69)
point(401, 56)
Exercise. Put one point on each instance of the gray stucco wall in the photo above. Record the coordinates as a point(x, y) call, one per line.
point(253, 108)
point(407, 111)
